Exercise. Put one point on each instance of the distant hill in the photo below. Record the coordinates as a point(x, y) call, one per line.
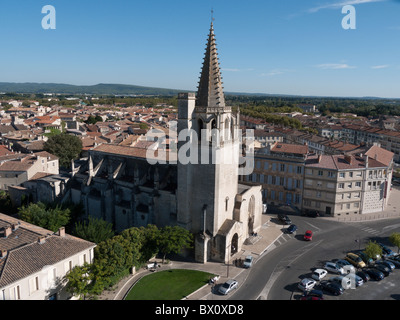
point(98, 89)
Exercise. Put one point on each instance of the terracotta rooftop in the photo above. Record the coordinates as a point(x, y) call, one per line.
point(26, 256)
point(382, 155)
point(290, 148)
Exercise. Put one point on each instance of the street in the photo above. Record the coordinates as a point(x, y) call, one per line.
point(276, 274)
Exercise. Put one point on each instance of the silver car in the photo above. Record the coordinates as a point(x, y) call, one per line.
point(228, 286)
point(334, 268)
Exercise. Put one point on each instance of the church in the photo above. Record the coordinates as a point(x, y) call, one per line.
point(118, 183)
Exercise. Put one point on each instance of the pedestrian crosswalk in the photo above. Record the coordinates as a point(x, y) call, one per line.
point(283, 238)
point(368, 230)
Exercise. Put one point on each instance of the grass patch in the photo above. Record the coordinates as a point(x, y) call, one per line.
point(168, 285)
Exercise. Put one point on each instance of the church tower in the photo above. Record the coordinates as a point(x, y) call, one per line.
point(208, 184)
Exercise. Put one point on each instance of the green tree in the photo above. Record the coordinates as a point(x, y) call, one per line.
point(79, 280)
point(151, 235)
point(48, 218)
point(372, 250)
point(173, 240)
point(395, 240)
point(94, 230)
point(66, 147)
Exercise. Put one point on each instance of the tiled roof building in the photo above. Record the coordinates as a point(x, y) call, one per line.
point(33, 260)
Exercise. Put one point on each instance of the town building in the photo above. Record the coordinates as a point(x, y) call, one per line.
point(279, 169)
point(18, 168)
point(34, 261)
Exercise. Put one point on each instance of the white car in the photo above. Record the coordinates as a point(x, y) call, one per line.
point(248, 262)
point(306, 284)
point(334, 268)
point(228, 286)
point(318, 274)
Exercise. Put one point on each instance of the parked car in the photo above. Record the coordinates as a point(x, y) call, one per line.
point(386, 252)
point(347, 267)
point(385, 270)
point(248, 262)
point(374, 274)
point(367, 260)
point(306, 284)
point(311, 213)
point(331, 287)
point(355, 260)
point(363, 275)
point(355, 279)
point(386, 263)
point(291, 229)
point(333, 267)
point(318, 274)
point(228, 286)
point(396, 263)
point(312, 295)
point(284, 218)
point(342, 280)
point(308, 235)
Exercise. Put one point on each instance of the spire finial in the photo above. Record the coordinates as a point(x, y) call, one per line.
point(212, 16)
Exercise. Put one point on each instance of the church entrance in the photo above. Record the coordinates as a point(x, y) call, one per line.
point(234, 244)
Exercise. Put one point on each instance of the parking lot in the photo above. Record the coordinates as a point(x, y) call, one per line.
point(369, 290)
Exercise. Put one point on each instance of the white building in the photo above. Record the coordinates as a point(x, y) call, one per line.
point(34, 261)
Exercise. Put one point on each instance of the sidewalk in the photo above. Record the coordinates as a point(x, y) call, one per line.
point(267, 235)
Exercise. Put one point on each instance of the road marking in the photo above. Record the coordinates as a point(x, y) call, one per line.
point(315, 227)
point(282, 265)
point(393, 226)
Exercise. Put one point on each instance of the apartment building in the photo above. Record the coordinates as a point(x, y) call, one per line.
point(343, 185)
point(279, 168)
point(333, 185)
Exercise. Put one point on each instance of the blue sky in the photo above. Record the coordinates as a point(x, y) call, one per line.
point(265, 46)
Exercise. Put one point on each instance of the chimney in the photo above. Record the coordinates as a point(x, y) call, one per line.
point(61, 232)
point(41, 239)
point(7, 231)
point(15, 226)
point(3, 253)
point(348, 158)
point(319, 158)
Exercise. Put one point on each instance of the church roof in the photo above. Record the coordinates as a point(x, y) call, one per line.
point(210, 91)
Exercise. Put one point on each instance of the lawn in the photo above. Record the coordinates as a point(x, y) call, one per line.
point(168, 285)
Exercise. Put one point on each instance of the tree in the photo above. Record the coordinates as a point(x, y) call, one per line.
point(66, 147)
point(372, 250)
point(79, 280)
point(48, 218)
point(395, 240)
point(94, 230)
point(173, 240)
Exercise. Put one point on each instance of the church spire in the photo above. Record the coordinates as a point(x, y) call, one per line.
point(210, 91)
